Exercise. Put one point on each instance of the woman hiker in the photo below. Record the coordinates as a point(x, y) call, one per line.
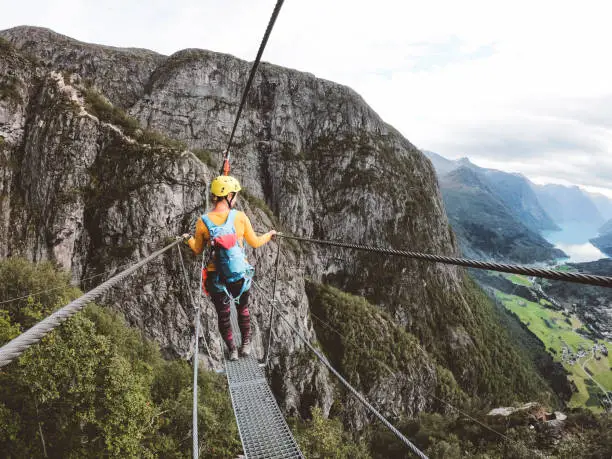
point(225, 229)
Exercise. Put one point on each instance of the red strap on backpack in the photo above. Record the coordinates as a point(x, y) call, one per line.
point(227, 241)
point(204, 277)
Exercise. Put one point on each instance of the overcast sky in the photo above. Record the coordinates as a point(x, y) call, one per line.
point(523, 86)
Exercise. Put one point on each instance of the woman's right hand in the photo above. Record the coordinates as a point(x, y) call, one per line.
point(272, 233)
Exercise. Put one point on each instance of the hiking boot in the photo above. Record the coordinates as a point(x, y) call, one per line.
point(245, 349)
point(233, 354)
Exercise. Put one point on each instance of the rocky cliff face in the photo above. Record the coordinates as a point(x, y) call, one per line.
point(120, 73)
point(93, 196)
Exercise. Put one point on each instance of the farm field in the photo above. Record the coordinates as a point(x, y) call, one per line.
point(560, 334)
point(518, 279)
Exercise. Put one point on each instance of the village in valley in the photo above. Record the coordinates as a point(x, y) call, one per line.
point(570, 357)
point(584, 353)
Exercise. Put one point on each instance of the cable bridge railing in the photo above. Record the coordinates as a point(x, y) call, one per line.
point(262, 427)
point(14, 348)
point(415, 450)
point(581, 278)
point(263, 430)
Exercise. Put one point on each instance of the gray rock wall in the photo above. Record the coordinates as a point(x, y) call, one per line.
point(314, 158)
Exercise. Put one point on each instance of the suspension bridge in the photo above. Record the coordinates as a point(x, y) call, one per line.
point(263, 431)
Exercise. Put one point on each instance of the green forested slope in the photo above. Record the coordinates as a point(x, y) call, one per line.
point(96, 388)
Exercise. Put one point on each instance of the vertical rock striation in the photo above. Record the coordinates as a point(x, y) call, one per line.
point(314, 159)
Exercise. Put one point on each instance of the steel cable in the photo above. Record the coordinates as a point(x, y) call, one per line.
point(430, 393)
point(192, 299)
point(14, 348)
point(267, 359)
point(589, 279)
point(346, 384)
point(42, 292)
point(363, 349)
point(196, 349)
point(262, 46)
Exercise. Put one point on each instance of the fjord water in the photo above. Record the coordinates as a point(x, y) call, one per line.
point(573, 239)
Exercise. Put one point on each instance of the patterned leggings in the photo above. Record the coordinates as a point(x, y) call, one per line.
point(222, 305)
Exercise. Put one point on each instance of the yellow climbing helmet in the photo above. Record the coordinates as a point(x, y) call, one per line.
point(224, 185)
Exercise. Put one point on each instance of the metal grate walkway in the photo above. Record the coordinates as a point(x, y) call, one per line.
point(263, 430)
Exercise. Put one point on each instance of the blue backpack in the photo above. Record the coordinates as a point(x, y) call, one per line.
point(229, 256)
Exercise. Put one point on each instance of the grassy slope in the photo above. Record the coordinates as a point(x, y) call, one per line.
point(367, 347)
point(518, 279)
point(552, 328)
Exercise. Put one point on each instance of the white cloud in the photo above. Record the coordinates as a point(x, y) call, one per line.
point(580, 253)
point(523, 84)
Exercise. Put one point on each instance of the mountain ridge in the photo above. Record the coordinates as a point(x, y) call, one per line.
point(496, 215)
point(513, 189)
point(568, 204)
